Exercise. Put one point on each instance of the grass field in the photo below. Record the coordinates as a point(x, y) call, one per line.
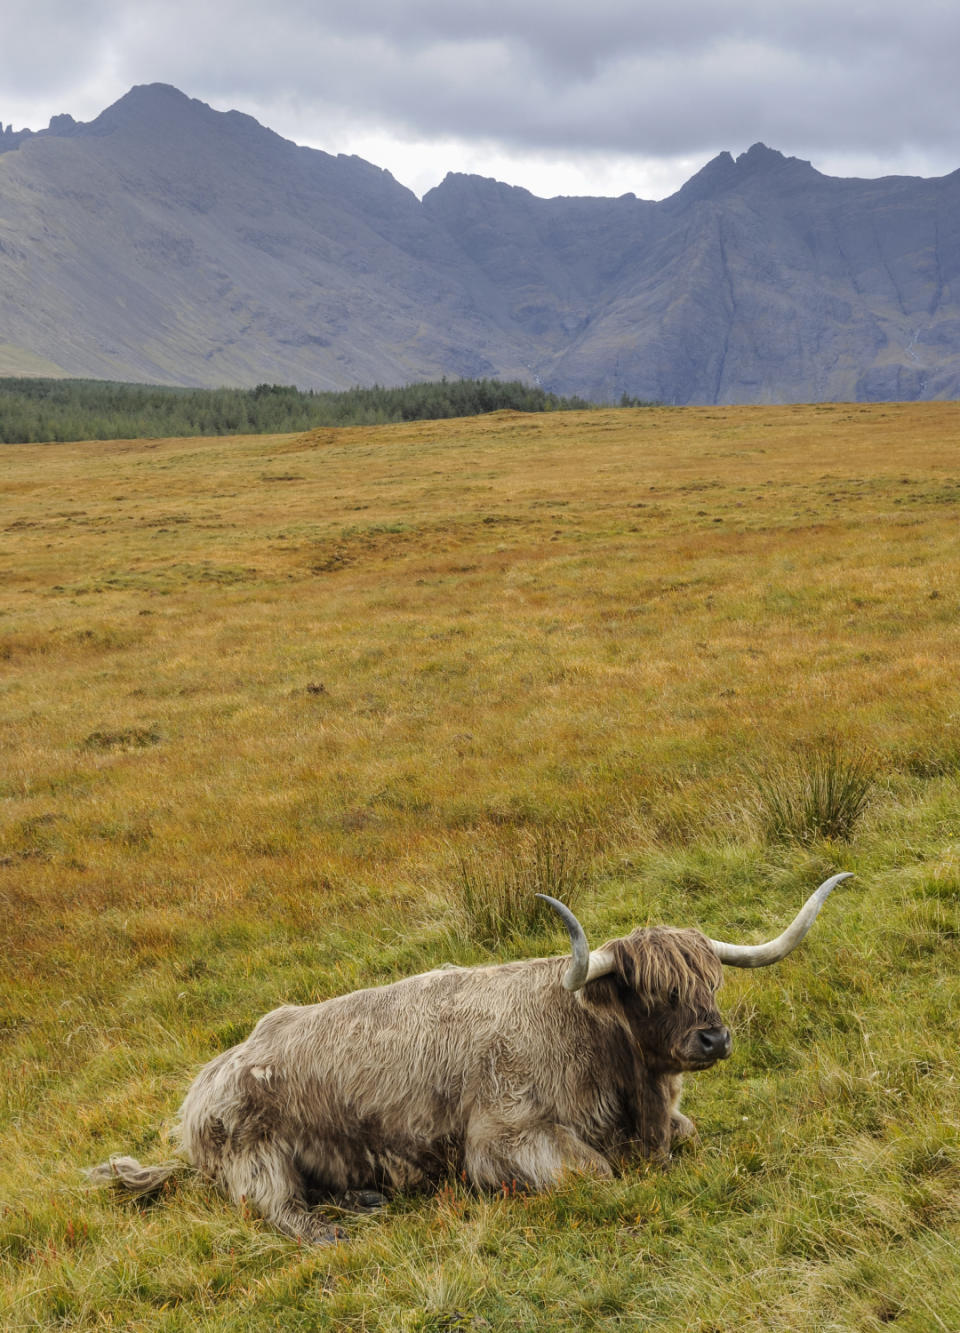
point(265, 700)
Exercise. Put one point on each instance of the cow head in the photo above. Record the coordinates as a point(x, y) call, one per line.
point(665, 980)
point(663, 983)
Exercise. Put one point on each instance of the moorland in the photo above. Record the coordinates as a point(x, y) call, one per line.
point(271, 705)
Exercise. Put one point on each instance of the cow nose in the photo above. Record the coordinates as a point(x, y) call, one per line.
point(715, 1043)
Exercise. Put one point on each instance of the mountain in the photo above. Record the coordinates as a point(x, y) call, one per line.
point(170, 243)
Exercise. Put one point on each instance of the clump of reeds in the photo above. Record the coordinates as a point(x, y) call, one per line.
point(820, 792)
point(496, 882)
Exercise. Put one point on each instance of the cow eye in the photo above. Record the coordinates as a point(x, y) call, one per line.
point(674, 997)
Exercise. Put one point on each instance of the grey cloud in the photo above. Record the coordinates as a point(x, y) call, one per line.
point(49, 44)
point(609, 76)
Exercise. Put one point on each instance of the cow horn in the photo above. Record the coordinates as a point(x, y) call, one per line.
point(760, 955)
point(585, 966)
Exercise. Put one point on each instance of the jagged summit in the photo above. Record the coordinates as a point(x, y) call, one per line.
point(716, 176)
point(465, 183)
point(59, 127)
point(761, 160)
point(62, 124)
point(725, 172)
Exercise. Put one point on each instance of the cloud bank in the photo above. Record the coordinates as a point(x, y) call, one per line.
point(606, 88)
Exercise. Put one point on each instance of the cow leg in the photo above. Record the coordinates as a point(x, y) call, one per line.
point(536, 1156)
point(681, 1126)
point(267, 1181)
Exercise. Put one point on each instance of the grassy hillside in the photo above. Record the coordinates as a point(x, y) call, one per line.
point(263, 699)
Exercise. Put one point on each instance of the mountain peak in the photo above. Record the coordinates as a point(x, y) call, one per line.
point(158, 113)
point(759, 159)
point(471, 182)
point(718, 175)
point(146, 104)
point(148, 97)
point(724, 172)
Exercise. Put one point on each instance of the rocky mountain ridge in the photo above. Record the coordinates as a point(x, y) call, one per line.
point(166, 242)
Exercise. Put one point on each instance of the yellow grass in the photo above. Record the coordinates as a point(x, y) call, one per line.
point(432, 626)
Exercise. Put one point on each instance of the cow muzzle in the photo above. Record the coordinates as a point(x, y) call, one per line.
point(712, 1044)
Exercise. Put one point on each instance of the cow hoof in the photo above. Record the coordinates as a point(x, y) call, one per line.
point(317, 1229)
point(682, 1128)
point(361, 1201)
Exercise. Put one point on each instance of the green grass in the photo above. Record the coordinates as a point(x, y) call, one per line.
point(260, 738)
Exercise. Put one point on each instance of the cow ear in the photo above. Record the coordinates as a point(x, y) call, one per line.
point(624, 963)
point(611, 971)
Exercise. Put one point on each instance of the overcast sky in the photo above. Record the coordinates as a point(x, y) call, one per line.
point(589, 97)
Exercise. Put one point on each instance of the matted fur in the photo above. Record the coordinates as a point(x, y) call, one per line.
point(661, 961)
point(497, 1073)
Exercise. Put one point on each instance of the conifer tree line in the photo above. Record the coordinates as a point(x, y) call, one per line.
point(40, 410)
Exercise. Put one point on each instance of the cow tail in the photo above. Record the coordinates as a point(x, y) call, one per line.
point(131, 1178)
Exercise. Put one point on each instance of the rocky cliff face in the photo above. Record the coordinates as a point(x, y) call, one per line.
point(759, 281)
point(168, 242)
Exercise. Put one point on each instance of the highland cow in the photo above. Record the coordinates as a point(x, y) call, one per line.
point(519, 1072)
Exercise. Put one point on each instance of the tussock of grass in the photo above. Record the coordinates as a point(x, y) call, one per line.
point(495, 881)
point(325, 711)
point(820, 793)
